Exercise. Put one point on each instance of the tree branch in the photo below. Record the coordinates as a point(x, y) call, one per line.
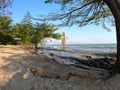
point(86, 4)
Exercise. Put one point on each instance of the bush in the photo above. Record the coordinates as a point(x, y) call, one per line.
point(7, 39)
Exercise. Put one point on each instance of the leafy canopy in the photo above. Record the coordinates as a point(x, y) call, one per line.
point(5, 22)
point(29, 33)
point(5, 28)
point(43, 31)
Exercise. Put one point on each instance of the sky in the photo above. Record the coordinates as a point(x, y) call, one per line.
point(90, 34)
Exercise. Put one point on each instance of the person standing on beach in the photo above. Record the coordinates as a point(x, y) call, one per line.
point(63, 41)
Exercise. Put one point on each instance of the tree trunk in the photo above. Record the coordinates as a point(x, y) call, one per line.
point(117, 65)
point(115, 9)
point(36, 48)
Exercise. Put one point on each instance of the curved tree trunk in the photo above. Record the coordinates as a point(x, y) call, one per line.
point(118, 45)
point(115, 9)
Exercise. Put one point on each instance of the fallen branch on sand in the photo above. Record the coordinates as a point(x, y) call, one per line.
point(96, 64)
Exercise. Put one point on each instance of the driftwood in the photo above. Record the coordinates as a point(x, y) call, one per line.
point(104, 63)
point(87, 62)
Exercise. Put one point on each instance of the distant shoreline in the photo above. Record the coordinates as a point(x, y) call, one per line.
point(81, 43)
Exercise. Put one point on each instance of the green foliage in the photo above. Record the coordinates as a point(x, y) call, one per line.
point(26, 33)
point(42, 31)
point(5, 32)
point(57, 36)
point(24, 30)
point(5, 22)
point(6, 39)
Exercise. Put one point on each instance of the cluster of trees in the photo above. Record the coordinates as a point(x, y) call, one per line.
point(26, 33)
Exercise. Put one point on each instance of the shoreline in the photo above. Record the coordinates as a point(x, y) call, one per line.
point(24, 70)
point(103, 60)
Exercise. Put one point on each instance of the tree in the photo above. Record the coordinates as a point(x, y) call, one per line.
point(43, 31)
point(21, 31)
point(3, 5)
point(27, 18)
point(85, 12)
point(5, 23)
point(38, 35)
point(26, 29)
point(32, 34)
point(5, 31)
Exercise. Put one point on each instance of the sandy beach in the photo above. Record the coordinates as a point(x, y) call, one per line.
point(22, 69)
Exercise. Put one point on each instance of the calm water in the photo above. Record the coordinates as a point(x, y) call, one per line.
point(81, 50)
point(87, 48)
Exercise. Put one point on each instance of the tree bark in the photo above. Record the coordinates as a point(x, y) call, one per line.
point(115, 9)
point(117, 22)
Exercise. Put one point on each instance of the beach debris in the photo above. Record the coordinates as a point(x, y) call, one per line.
point(81, 60)
point(85, 62)
point(63, 61)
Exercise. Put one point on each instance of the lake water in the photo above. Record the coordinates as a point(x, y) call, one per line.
point(87, 48)
point(80, 52)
